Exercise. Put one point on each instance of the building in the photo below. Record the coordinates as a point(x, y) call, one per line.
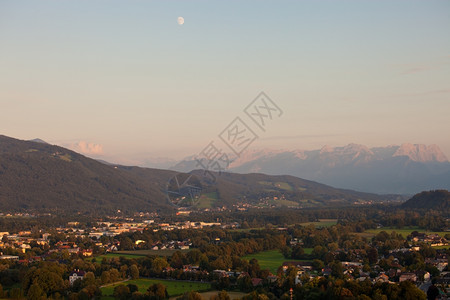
point(408, 276)
point(75, 275)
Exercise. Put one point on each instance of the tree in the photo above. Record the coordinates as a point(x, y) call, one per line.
point(222, 295)
point(35, 292)
point(177, 260)
point(122, 292)
point(159, 264)
point(245, 225)
point(409, 290)
point(114, 275)
point(158, 290)
point(336, 269)
point(126, 244)
point(191, 296)
point(193, 256)
point(132, 287)
point(106, 278)
point(245, 283)
point(372, 255)
point(89, 279)
point(134, 272)
point(298, 252)
point(318, 264)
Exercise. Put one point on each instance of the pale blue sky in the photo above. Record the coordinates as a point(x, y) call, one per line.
point(125, 76)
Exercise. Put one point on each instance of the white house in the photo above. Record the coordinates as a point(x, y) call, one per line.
point(76, 275)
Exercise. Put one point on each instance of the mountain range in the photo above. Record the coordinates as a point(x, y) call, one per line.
point(395, 169)
point(36, 176)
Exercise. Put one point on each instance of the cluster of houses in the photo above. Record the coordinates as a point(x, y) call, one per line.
point(24, 240)
point(21, 240)
point(433, 239)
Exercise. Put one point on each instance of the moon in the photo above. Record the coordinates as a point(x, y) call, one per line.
point(180, 20)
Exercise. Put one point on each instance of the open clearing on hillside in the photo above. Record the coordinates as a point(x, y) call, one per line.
point(207, 200)
point(174, 287)
point(272, 259)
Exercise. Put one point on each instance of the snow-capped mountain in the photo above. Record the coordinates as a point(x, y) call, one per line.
point(404, 169)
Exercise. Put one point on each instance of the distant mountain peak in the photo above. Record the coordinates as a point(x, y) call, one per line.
point(326, 149)
point(37, 140)
point(406, 168)
point(421, 153)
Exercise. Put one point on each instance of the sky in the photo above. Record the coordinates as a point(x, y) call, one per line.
point(123, 81)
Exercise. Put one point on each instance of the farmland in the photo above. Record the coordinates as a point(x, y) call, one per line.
point(321, 223)
point(271, 259)
point(405, 231)
point(174, 288)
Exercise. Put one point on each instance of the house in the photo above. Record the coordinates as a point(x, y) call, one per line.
point(382, 278)
point(183, 247)
point(423, 276)
point(190, 268)
point(305, 265)
point(257, 281)
point(11, 257)
point(326, 271)
point(408, 276)
point(87, 252)
point(24, 247)
point(220, 273)
point(75, 275)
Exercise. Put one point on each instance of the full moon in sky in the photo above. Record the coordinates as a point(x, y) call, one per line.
point(180, 20)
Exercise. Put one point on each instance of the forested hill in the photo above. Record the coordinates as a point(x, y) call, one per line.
point(437, 200)
point(43, 177)
point(36, 176)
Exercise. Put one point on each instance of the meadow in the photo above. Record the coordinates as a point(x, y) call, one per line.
point(405, 231)
point(321, 223)
point(137, 253)
point(174, 287)
point(271, 259)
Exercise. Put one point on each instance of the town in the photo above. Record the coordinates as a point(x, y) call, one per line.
point(124, 257)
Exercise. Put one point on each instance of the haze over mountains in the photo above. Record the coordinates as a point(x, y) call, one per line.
point(404, 169)
point(36, 176)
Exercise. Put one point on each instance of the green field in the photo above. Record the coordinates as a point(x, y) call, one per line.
point(173, 287)
point(207, 200)
point(271, 259)
point(137, 253)
point(321, 223)
point(405, 231)
point(279, 185)
point(114, 255)
point(163, 252)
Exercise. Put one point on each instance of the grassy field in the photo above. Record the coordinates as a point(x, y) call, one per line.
point(279, 185)
point(405, 231)
point(207, 200)
point(271, 259)
point(138, 253)
point(173, 287)
point(321, 223)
